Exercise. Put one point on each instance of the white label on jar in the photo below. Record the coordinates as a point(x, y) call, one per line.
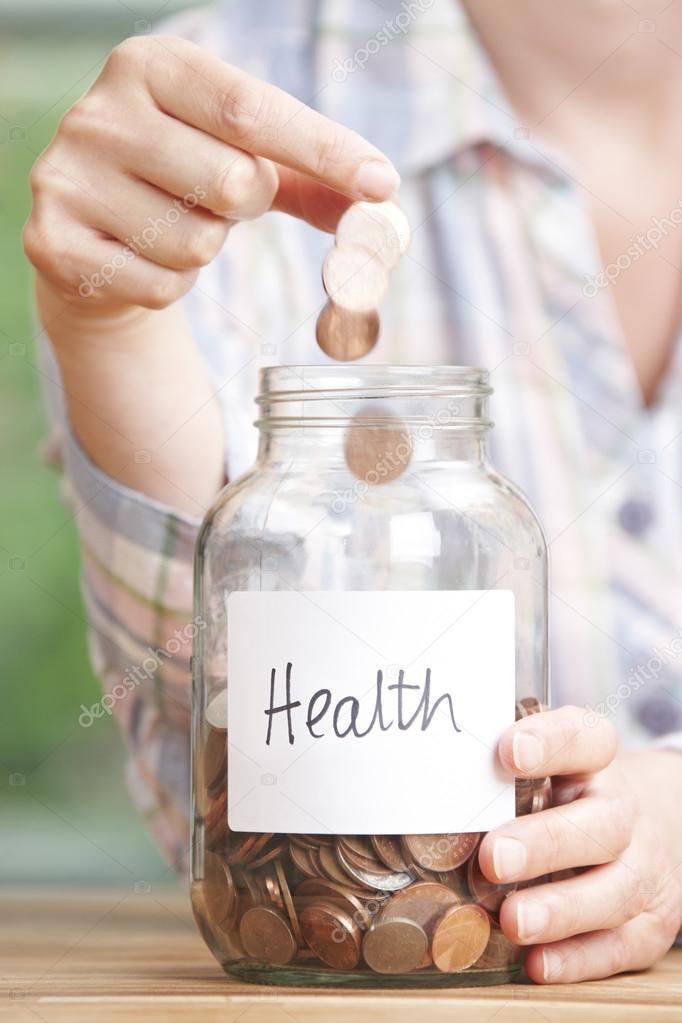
point(369, 712)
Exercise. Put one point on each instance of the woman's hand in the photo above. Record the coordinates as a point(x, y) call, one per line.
point(144, 179)
point(168, 149)
point(617, 816)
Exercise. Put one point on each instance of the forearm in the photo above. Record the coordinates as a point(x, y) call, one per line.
point(139, 399)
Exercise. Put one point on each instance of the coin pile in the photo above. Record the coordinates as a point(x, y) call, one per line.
point(389, 904)
point(370, 239)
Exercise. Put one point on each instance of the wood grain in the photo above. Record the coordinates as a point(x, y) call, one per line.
point(116, 955)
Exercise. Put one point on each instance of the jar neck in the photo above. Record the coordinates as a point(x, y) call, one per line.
point(312, 413)
point(320, 446)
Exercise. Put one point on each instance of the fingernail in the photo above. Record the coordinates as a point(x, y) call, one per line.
point(376, 179)
point(532, 918)
point(552, 964)
point(509, 858)
point(528, 752)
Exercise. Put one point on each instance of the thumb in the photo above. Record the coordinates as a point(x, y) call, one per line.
point(304, 198)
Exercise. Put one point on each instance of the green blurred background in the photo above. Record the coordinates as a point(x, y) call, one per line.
point(64, 810)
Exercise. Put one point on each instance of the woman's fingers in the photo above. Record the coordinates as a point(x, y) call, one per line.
point(607, 896)
point(304, 198)
point(591, 830)
point(184, 160)
point(161, 228)
point(103, 271)
point(632, 946)
point(558, 742)
point(198, 88)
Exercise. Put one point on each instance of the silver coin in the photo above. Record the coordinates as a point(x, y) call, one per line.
point(392, 881)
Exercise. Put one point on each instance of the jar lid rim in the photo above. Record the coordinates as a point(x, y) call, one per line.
point(282, 382)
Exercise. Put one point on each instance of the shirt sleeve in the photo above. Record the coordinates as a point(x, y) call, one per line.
point(136, 563)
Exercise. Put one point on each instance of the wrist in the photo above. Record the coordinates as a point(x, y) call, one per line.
point(73, 323)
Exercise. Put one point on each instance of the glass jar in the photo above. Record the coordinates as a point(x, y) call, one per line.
point(373, 603)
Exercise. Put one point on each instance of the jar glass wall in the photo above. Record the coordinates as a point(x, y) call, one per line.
point(369, 481)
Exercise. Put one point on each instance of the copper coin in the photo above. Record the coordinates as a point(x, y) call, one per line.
point(300, 857)
point(268, 855)
point(527, 706)
point(361, 856)
point(381, 882)
point(288, 901)
point(499, 952)
point(339, 894)
point(424, 902)
point(215, 822)
point(354, 278)
point(331, 867)
point(249, 890)
point(333, 871)
point(387, 848)
point(332, 934)
point(394, 946)
point(358, 844)
point(239, 845)
point(524, 797)
point(542, 796)
point(460, 938)
point(318, 840)
point(219, 890)
point(214, 760)
point(266, 936)
point(377, 449)
point(273, 891)
point(441, 852)
point(381, 227)
point(457, 880)
point(486, 893)
point(346, 335)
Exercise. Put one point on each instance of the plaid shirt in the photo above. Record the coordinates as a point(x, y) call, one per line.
point(502, 272)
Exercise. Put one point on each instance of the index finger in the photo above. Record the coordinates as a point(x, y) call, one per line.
point(197, 87)
point(569, 740)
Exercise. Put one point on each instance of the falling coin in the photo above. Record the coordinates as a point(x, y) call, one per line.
point(460, 938)
point(332, 934)
point(346, 335)
point(441, 852)
point(266, 936)
point(381, 227)
point(377, 451)
point(394, 946)
point(354, 278)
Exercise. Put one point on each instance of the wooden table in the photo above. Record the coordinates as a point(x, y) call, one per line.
point(135, 955)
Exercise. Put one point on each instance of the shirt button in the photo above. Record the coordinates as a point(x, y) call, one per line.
point(659, 714)
point(635, 516)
